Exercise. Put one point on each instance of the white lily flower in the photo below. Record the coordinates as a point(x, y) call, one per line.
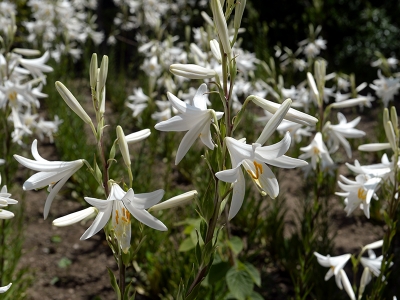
point(335, 265)
point(378, 170)
point(359, 193)
point(386, 88)
point(51, 173)
point(372, 265)
point(254, 158)
point(4, 289)
point(5, 197)
point(121, 205)
point(36, 66)
point(318, 153)
point(194, 118)
point(341, 131)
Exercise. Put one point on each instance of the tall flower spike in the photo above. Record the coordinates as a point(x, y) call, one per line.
point(194, 118)
point(51, 173)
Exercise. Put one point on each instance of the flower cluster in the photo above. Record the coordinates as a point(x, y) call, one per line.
point(62, 26)
point(371, 264)
point(21, 82)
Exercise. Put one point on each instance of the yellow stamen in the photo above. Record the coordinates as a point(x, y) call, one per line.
point(12, 96)
point(116, 216)
point(362, 194)
point(259, 170)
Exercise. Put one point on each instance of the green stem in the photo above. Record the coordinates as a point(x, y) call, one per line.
point(2, 247)
point(121, 268)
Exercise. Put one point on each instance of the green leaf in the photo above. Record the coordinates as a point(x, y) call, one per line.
point(255, 296)
point(218, 271)
point(254, 273)
point(186, 245)
point(240, 283)
point(127, 292)
point(236, 244)
point(114, 283)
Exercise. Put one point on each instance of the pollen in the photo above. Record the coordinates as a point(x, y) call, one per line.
point(126, 216)
point(259, 170)
point(316, 150)
point(116, 216)
point(12, 96)
point(362, 194)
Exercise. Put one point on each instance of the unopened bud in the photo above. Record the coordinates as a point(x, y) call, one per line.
point(137, 136)
point(175, 201)
point(221, 26)
point(74, 217)
point(192, 71)
point(214, 45)
point(123, 146)
point(93, 71)
point(71, 101)
point(26, 52)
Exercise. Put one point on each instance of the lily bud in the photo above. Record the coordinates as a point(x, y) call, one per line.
point(137, 136)
point(222, 28)
point(374, 147)
point(274, 122)
point(191, 71)
point(93, 71)
point(239, 9)
point(175, 201)
point(71, 101)
point(214, 45)
point(291, 115)
point(74, 217)
point(123, 146)
point(103, 71)
point(313, 86)
point(26, 52)
point(349, 103)
point(207, 18)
